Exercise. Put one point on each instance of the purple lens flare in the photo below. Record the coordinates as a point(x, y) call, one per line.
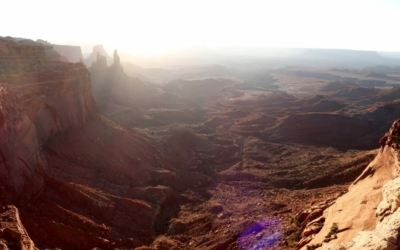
point(262, 235)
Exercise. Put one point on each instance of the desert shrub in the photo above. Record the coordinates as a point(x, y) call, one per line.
point(294, 238)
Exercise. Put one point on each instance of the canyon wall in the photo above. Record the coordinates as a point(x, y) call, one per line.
point(39, 96)
point(72, 53)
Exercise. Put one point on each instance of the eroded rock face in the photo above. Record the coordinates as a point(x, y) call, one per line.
point(392, 139)
point(390, 201)
point(38, 97)
point(97, 49)
point(12, 233)
point(386, 233)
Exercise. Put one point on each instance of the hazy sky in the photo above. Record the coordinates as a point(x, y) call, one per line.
point(151, 26)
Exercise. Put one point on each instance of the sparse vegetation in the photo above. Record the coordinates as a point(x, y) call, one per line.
point(294, 238)
point(295, 221)
point(333, 231)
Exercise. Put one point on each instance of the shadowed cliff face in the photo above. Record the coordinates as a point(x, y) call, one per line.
point(38, 97)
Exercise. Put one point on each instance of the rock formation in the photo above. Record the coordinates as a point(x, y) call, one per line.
point(112, 82)
point(117, 60)
point(367, 217)
point(39, 97)
point(102, 78)
point(116, 67)
point(13, 233)
point(97, 49)
point(100, 63)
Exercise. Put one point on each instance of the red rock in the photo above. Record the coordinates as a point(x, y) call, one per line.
point(38, 97)
point(303, 242)
point(313, 215)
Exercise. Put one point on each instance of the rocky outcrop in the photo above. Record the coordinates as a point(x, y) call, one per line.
point(112, 83)
point(38, 97)
point(12, 233)
point(97, 49)
point(312, 221)
point(367, 217)
point(386, 233)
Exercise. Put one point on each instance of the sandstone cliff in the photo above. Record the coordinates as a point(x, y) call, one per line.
point(367, 216)
point(39, 97)
point(113, 83)
point(72, 53)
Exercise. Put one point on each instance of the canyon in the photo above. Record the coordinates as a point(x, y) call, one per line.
point(93, 158)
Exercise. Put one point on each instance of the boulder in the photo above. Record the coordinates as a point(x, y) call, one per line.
point(14, 235)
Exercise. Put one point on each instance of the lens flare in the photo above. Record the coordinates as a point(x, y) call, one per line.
point(261, 235)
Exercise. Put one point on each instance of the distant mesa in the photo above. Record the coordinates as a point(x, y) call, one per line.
point(341, 54)
point(38, 49)
point(343, 58)
point(339, 86)
point(97, 49)
point(72, 53)
point(382, 69)
point(376, 75)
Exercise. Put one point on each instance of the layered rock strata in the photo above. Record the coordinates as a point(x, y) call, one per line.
point(39, 97)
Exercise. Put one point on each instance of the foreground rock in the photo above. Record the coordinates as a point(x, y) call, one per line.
point(367, 216)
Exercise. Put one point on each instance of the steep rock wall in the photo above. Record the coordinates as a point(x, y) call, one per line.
point(38, 97)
